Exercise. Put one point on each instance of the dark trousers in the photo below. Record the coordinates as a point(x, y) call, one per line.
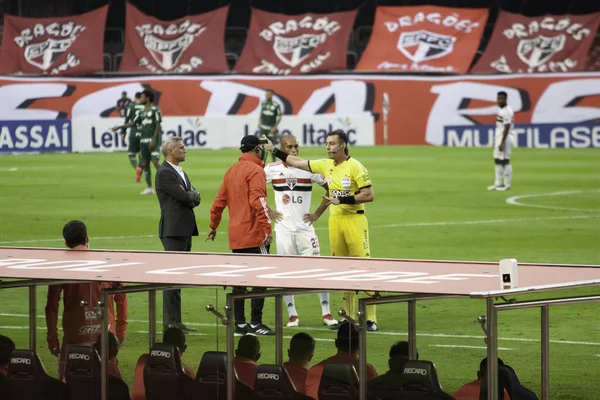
point(257, 304)
point(172, 298)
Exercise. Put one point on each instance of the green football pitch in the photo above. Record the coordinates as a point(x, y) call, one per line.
point(430, 203)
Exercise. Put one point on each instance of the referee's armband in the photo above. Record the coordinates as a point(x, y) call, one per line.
point(347, 200)
point(280, 154)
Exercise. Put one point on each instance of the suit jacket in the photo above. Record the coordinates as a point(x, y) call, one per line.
point(176, 200)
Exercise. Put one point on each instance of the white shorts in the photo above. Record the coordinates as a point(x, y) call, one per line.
point(297, 244)
point(508, 146)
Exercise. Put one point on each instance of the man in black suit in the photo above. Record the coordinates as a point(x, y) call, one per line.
point(177, 198)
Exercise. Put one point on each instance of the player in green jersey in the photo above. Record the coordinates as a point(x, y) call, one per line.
point(133, 147)
point(148, 120)
point(270, 116)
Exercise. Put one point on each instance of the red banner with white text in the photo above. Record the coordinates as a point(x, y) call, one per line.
point(423, 39)
point(549, 43)
point(421, 117)
point(54, 46)
point(279, 44)
point(192, 44)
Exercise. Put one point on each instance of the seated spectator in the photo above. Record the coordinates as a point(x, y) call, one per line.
point(176, 337)
point(173, 336)
point(471, 390)
point(6, 348)
point(398, 355)
point(113, 350)
point(301, 351)
point(347, 353)
point(246, 356)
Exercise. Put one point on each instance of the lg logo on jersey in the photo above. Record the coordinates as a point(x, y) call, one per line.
point(287, 199)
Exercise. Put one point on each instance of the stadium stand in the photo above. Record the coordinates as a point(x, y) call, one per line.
point(239, 18)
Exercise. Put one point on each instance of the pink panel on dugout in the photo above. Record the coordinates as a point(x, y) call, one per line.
point(331, 273)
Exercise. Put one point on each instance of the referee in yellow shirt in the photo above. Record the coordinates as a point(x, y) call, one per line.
point(349, 188)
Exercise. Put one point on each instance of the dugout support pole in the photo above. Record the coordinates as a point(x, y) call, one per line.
point(362, 350)
point(412, 329)
point(278, 330)
point(492, 349)
point(32, 318)
point(230, 352)
point(104, 347)
point(545, 339)
point(151, 318)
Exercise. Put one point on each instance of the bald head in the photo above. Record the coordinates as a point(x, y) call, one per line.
point(289, 145)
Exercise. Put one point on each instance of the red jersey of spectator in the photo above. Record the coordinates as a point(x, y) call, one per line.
point(297, 373)
point(79, 325)
point(245, 369)
point(470, 391)
point(139, 390)
point(244, 191)
point(313, 378)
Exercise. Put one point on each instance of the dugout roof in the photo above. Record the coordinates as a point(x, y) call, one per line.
point(327, 273)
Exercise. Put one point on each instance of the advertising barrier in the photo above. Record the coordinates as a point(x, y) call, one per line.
point(94, 135)
point(50, 136)
point(419, 108)
point(540, 136)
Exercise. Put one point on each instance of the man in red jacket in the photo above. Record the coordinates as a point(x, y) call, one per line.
point(80, 322)
point(244, 192)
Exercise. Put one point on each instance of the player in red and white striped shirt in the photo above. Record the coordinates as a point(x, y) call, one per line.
point(295, 234)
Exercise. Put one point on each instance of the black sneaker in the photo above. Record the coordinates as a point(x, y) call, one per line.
point(241, 330)
point(260, 330)
point(372, 326)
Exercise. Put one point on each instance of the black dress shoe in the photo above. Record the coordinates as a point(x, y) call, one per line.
point(185, 328)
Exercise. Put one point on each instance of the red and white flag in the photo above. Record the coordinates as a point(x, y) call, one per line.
point(192, 44)
point(279, 44)
point(54, 46)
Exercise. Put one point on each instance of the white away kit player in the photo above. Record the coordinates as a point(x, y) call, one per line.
point(504, 141)
point(294, 233)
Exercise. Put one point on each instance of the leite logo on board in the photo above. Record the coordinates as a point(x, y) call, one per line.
point(43, 53)
point(167, 52)
point(293, 49)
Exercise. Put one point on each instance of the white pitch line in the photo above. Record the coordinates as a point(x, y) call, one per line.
point(514, 200)
point(432, 335)
point(465, 346)
point(409, 224)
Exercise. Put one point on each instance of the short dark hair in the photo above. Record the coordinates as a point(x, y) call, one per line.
point(75, 233)
point(483, 366)
point(341, 136)
point(138, 95)
point(175, 337)
point(502, 93)
point(302, 346)
point(269, 90)
point(6, 347)
point(149, 95)
point(347, 337)
point(401, 350)
point(248, 347)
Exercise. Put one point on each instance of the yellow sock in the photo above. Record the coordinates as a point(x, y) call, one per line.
point(372, 313)
point(349, 300)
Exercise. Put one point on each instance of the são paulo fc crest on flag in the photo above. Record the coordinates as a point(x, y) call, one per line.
point(536, 51)
point(424, 45)
point(293, 51)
